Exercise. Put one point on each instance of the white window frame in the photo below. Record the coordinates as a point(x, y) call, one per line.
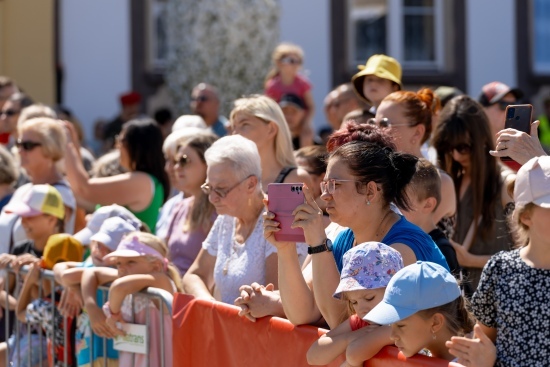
point(395, 36)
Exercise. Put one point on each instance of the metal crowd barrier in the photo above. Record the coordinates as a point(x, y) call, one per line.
point(165, 298)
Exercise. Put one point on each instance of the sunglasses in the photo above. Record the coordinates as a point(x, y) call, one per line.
point(200, 99)
point(9, 113)
point(181, 161)
point(462, 148)
point(503, 104)
point(26, 145)
point(291, 60)
point(383, 123)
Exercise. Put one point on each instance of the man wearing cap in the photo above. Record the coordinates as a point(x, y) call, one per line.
point(494, 98)
point(205, 102)
point(130, 104)
point(380, 76)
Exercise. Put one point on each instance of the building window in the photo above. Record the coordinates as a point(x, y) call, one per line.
point(412, 31)
point(541, 36)
point(158, 34)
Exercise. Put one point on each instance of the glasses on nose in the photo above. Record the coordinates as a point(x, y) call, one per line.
point(26, 145)
point(462, 148)
point(9, 113)
point(330, 185)
point(291, 60)
point(181, 160)
point(200, 99)
point(222, 193)
point(383, 123)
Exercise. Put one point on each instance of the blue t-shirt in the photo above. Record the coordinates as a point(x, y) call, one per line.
point(403, 232)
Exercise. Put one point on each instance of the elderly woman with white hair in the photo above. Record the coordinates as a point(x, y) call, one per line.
point(260, 119)
point(235, 251)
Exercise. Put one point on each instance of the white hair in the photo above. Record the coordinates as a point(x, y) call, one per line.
point(187, 121)
point(237, 151)
point(178, 138)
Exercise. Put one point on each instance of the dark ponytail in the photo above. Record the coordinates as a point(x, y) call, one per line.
point(458, 319)
point(404, 169)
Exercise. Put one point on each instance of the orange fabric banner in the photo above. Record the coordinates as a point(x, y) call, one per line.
point(207, 333)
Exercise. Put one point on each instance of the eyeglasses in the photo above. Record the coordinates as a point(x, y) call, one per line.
point(383, 123)
point(462, 148)
point(330, 185)
point(503, 104)
point(291, 60)
point(200, 99)
point(181, 160)
point(9, 113)
point(26, 145)
point(207, 189)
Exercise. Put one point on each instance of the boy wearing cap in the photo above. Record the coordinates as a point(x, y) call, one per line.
point(379, 77)
point(103, 242)
point(59, 248)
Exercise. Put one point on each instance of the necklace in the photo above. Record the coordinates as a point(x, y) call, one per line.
point(380, 232)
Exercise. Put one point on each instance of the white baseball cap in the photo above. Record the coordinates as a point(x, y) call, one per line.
point(112, 231)
point(533, 183)
point(100, 216)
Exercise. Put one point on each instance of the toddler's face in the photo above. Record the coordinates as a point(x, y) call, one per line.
point(412, 334)
point(364, 300)
point(98, 251)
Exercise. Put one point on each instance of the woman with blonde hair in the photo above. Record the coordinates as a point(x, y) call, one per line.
point(40, 146)
point(260, 119)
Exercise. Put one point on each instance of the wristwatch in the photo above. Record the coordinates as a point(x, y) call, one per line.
point(325, 246)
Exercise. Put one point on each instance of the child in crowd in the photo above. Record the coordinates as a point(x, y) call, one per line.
point(378, 78)
point(368, 268)
point(285, 78)
point(424, 192)
point(511, 302)
point(103, 242)
point(424, 305)
point(39, 311)
point(141, 262)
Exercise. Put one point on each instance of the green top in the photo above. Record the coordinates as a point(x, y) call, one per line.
point(150, 214)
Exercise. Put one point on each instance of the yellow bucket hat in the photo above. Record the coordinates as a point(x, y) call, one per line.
point(382, 66)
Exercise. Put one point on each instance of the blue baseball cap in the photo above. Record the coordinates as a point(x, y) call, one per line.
point(414, 288)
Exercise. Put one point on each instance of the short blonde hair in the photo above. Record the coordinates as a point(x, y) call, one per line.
point(34, 111)
point(52, 135)
point(267, 109)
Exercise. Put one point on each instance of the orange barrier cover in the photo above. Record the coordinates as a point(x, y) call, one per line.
point(207, 333)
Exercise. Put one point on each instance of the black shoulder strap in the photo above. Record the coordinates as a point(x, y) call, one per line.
point(284, 172)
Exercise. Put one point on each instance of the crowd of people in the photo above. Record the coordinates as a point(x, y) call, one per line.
point(416, 234)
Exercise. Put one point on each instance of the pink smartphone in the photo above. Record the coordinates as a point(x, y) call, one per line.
point(283, 199)
point(518, 117)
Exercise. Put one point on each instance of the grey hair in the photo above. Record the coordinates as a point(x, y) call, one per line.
point(34, 111)
point(237, 151)
point(178, 138)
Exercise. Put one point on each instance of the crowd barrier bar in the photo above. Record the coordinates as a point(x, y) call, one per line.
point(212, 333)
point(165, 300)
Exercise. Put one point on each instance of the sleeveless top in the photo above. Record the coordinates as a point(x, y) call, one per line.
point(403, 232)
point(150, 214)
point(284, 172)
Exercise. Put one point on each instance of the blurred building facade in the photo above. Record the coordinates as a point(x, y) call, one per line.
point(84, 54)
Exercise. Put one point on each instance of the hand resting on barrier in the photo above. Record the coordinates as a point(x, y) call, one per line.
point(71, 302)
point(257, 301)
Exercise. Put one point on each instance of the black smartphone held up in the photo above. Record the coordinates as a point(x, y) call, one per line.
point(283, 198)
point(518, 117)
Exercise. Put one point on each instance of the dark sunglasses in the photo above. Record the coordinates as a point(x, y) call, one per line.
point(503, 104)
point(200, 99)
point(9, 113)
point(291, 60)
point(181, 161)
point(462, 148)
point(26, 145)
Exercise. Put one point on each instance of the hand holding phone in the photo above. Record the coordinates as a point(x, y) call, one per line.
point(283, 199)
point(518, 117)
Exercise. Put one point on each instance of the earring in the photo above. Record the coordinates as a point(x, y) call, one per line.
point(434, 336)
point(368, 202)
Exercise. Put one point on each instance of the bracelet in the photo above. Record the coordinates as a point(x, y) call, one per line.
point(114, 314)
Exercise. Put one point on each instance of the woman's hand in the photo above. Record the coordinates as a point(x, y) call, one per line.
point(309, 217)
point(271, 226)
point(256, 301)
point(518, 145)
point(477, 352)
